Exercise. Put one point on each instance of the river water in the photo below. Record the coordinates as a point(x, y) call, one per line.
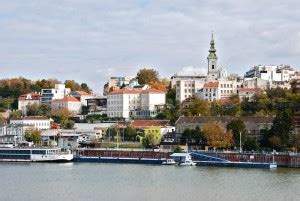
point(113, 182)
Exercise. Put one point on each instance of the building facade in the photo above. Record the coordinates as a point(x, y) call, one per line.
point(28, 99)
point(38, 122)
point(58, 92)
point(69, 103)
point(134, 103)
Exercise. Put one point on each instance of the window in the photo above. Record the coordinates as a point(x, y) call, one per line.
point(213, 66)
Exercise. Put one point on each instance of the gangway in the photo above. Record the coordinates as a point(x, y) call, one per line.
point(203, 157)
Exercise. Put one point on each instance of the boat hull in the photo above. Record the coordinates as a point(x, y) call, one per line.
point(119, 160)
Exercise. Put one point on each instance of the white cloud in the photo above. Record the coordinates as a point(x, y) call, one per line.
point(40, 38)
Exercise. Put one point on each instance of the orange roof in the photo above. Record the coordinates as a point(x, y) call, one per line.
point(125, 91)
point(83, 93)
point(211, 85)
point(153, 91)
point(32, 118)
point(34, 96)
point(67, 99)
point(148, 123)
point(247, 90)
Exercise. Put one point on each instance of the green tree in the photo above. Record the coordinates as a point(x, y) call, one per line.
point(237, 127)
point(130, 133)
point(16, 114)
point(199, 107)
point(147, 76)
point(33, 135)
point(250, 145)
point(85, 87)
point(177, 149)
point(68, 124)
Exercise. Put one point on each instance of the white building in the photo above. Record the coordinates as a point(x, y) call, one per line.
point(187, 86)
point(247, 93)
point(59, 92)
point(38, 122)
point(138, 103)
point(221, 89)
point(69, 103)
point(13, 133)
point(28, 99)
point(274, 75)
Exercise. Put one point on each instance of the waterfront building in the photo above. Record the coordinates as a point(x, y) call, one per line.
point(38, 122)
point(69, 103)
point(14, 133)
point(135, 103)
point(58, 92)
point(28, 99)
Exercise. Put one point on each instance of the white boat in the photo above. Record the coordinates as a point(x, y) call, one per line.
point(35, 155)
point(169, 162)
point(183, 159)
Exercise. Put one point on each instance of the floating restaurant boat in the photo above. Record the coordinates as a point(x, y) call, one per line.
point(34, 155)
point(183, 159)
point(169, 162)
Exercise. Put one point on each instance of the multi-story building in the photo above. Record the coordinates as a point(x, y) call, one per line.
point(28, 99)
point(134, 103)
point(247, 93)
point(59, 92)
point(69, 103)
point(187, 87)
point(38, 122)
point(115, 83)
point(97, 104)
point(13, 133)
point(274, 75)
point(221, 89)
point(82, 96)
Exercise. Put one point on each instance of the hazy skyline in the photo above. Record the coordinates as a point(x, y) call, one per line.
point(91, 40)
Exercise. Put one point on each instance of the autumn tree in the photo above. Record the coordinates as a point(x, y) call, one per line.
point(216, 135)
point(72, 85)
point(147, 76)
point(33, 135)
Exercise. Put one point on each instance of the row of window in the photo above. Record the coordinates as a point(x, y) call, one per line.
point(226, 85)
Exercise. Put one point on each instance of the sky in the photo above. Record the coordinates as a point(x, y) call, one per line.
point(91, 40)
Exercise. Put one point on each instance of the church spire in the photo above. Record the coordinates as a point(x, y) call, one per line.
point(212, 50)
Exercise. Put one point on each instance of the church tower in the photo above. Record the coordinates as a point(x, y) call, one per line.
point(212, 60)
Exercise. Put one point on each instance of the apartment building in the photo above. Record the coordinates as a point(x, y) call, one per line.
point(70, 103)
point(38, 122)
point(58, 92)
point(28, 99)
point(135, 103)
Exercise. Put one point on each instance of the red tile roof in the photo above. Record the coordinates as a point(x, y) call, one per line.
point(83, 93)
point(67, 99)
point(247, 90)
point(125, 91)
point(148, 123)
point(34, 96)
point(153, 91)
point(32, 118)
point(211, 85)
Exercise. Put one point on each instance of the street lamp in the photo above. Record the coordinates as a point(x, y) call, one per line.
point(240, 142)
